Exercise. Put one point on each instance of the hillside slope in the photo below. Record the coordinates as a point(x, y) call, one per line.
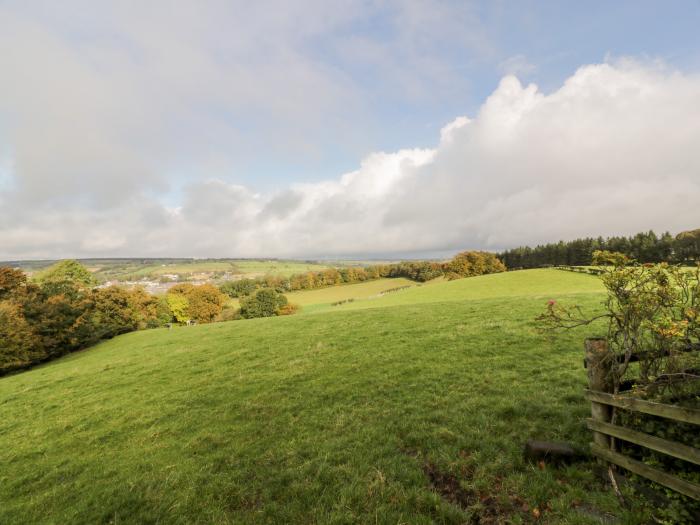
point(413, 413)
point(525, 283)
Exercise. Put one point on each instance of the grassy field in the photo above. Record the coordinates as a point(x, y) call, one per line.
point(539, 284)
point(410, 408)
point(323, 298)
point(134, 269)
point(275, 267)
point(239, 267)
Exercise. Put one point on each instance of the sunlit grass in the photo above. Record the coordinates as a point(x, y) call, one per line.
point(326, 418)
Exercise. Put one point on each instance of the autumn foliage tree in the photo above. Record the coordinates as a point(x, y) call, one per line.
point(11, 282)
point(203, 303)
point(471, 263)
point(63, 311)
point(19, 346)
point(113, 312)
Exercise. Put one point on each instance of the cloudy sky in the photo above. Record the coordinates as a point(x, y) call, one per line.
point(347, 128)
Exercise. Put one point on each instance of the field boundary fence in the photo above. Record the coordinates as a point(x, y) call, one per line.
point(580, 269)
point(607, 432)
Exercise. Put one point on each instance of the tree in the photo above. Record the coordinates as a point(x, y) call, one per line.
point(239, 288)
point(264, 303)
point(11, 281)
point(688, 246)
point(113, 313)
point(19, 346)
point(205, 303)
point(149, 311)
point(61, 320)
point(471, 263)
point(179, 306)
point(68, 271)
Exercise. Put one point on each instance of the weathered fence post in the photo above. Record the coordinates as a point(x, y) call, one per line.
point(598, 364)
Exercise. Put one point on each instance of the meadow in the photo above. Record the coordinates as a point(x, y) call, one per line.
point(322, 299)
point(134, 269)
point(411, 407)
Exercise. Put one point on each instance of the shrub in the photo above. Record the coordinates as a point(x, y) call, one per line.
point(229, 314)
point(264, 303)
point(289, 309)
point(652, 312)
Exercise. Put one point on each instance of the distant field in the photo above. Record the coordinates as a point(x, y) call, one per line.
point(412, 411)
point(367, 290)
point(322, 298)
point(183, 268)
point(245, 267)
point(285, 268)
point(134, 269)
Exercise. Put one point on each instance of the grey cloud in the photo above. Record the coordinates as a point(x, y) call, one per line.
point(282, 205)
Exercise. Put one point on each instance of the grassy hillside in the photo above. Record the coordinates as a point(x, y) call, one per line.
point(408, 413)
point(533, 283)
point(313, 300)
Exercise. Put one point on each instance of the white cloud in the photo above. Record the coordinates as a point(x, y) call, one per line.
point(614, 150)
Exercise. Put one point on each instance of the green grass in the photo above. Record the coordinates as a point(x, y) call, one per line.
point(541, 284)
point(322, 299)
point(186, 268)
point(275, 267)
point(241, 267)
point(330, 418)
point(130, 269)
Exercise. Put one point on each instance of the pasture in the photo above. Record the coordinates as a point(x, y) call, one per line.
point(408, 408)
point(323, 298)
point(134, 269)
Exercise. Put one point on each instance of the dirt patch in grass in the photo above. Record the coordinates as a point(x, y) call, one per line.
point(449, 487)
point(485, 508)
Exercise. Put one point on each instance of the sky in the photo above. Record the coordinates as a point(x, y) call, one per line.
point(314, 129)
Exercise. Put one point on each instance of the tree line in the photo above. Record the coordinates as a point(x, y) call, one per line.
point(464, 264)
point(645, 247)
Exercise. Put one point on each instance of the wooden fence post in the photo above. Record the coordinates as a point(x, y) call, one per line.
point(598, 364)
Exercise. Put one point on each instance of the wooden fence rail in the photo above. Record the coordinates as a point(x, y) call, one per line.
point(598, 362)
point(686, 415)
point(581, 269)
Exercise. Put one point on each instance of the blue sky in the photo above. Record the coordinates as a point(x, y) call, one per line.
point(122, 120)
point(541, 41)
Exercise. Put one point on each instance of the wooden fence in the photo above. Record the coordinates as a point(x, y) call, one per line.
point(581, 269)
point(598, 363)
